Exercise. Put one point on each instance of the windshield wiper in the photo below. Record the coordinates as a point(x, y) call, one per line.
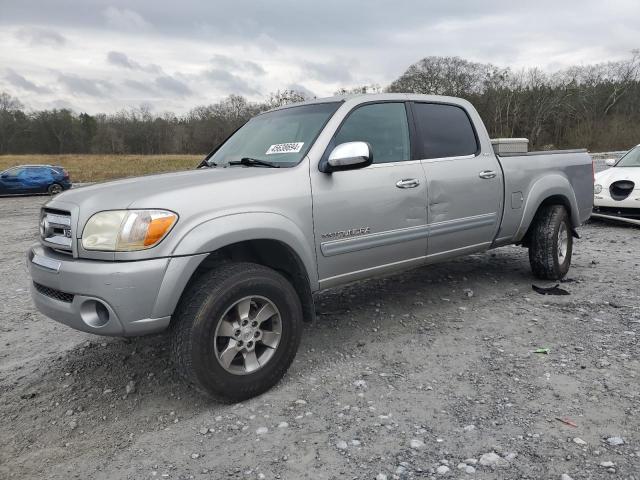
point(254, 162)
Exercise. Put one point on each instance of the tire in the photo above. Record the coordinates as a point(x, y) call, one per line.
point(551, 243)
point(200, 330)
point(54, 189)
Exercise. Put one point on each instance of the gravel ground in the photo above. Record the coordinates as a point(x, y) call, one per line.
point(426, 374)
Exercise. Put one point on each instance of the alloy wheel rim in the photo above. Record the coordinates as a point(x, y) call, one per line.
point(247, 335)
point(563, 243)
point(55, 189)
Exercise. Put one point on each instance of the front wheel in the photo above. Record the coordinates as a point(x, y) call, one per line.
point(237, 330)
point(551, 243)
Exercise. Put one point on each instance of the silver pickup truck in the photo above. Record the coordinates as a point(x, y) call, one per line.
point(300, 199)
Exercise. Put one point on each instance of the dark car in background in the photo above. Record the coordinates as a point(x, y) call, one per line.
point(34, 179)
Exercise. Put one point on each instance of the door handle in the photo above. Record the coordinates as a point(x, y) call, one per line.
point(408, 183)
point(486, 174)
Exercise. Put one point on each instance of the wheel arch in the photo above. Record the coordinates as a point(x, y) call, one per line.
point(549, 190)
point(267, 239)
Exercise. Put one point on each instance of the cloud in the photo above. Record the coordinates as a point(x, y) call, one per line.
point(337, 71)
point(36, 36)
point(85, 86)
point(136, 85)
point(120, 59)
point(173, 85)
point(125, 19)
point(19, 81)
point(228, 63)
point(228, 82)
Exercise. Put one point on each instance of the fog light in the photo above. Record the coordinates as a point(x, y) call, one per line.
point(597, 188)
point(94, 313)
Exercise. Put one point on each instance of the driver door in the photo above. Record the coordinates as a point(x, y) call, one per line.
point(374, 219)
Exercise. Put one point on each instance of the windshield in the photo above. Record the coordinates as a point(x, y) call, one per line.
point(282, 137)
point(631, 158)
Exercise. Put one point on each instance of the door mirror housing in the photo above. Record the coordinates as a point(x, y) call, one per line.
point(349, 156)
point(610, 162)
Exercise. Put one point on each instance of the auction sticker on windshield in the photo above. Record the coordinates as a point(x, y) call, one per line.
point(285, 148)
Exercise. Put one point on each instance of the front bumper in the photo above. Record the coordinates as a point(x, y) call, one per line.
point(108, 298)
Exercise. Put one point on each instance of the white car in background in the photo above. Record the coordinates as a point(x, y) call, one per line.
point(616, 193)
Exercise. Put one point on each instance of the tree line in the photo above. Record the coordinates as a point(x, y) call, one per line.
point(594, 106)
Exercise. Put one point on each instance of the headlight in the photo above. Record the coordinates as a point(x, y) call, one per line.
point(127, 230)
point(597, 188)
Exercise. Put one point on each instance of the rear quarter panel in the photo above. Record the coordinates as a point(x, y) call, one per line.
point(530, 179)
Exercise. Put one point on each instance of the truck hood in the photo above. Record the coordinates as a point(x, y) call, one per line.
point(613, 174)
point(180, 192)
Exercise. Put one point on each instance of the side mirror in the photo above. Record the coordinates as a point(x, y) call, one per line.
point(610, 162)
point(4, 175)
point(349, 156)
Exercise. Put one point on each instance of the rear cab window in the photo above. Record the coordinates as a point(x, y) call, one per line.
point(443, 131)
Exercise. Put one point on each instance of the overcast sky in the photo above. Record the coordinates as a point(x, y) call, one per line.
point(101, 56)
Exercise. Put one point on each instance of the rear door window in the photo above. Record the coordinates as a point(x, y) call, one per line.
point(15, 172)
point(444, 131)
point(384, 126)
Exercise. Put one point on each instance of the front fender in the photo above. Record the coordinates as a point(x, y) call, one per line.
point(219, 232)
point(548, 186)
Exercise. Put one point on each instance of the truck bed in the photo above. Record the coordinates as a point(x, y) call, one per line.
point(531, 176)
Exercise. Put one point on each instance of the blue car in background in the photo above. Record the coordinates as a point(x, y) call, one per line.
point(33, 179)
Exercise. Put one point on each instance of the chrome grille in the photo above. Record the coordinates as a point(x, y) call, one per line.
point(55, 230)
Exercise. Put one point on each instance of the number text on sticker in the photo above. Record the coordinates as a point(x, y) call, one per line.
point(285, 148)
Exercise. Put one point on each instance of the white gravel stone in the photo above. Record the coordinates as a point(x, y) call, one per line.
point(469, 428)
point(510, 457)
point(262, 430)
point(607, 464)
point(381, 476)
point(492, 459)
point(341, 445)
point(615, 441)
point(416, 443)
point(442, 470)
point(579, 441)
point(564, 476)
point(470, 469)
point(283, 425)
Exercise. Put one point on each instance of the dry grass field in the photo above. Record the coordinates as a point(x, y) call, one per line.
point(98, 168)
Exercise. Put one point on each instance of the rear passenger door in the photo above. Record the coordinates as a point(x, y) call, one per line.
point(464, 184)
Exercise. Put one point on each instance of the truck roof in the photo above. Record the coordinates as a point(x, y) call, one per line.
point(369, 97)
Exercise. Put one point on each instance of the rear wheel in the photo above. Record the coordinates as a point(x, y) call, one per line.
point(54, 189)
point(237, 330)
point(551, 243)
